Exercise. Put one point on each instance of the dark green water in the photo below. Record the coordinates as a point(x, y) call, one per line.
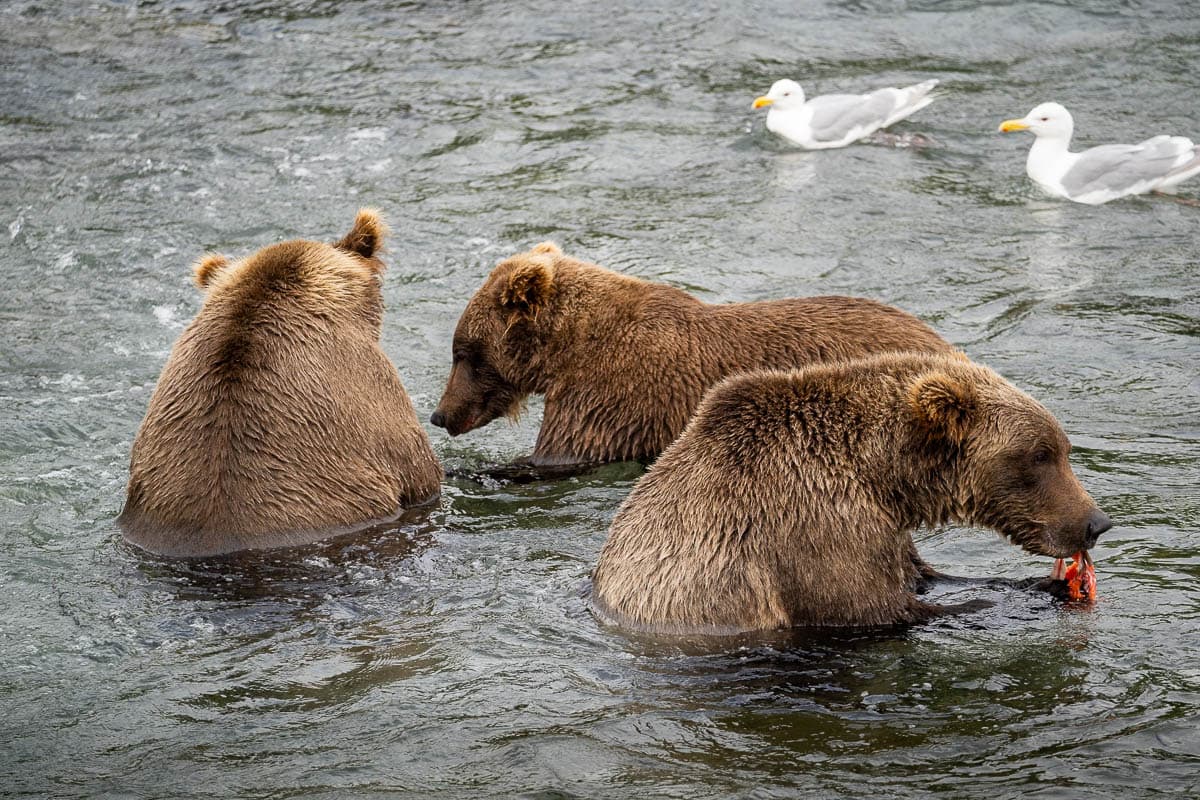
point(456, 658)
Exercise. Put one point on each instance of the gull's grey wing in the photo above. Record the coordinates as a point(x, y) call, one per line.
point(1118, 168)
point(836, 115)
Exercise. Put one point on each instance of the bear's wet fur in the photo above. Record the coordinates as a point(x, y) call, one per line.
point(624, 362)
point(790, 498)
point(278, 420)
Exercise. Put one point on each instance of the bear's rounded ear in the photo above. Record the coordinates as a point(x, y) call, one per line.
point(529, 286)
point(366, 237)
point(207, 268)
point(549, 248)
point(944, 404)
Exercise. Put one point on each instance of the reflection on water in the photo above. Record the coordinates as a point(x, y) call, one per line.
point(453, 655)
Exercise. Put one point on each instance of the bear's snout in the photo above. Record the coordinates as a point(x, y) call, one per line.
point(455, 421)
point(1097, 524)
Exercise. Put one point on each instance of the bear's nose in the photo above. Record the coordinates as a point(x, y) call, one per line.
point(439, 419)
point(1097, 524)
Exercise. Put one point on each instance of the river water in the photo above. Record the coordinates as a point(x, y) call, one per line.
point(454, 656)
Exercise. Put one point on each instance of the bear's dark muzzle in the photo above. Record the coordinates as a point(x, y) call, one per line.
point(438, 418)
point(1097, 524)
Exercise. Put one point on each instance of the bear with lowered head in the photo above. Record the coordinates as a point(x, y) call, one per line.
point(624, 362)
point(790, 498)
point(278, 420)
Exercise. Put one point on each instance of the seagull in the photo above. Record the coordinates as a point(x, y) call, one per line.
point(836, 120)
point(1102, 173)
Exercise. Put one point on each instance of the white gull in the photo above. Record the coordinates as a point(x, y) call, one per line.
point(1102, 173)
point(836, 120)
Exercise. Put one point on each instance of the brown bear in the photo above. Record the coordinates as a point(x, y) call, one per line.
point(278, 420)
point(790, 498)
point(624, 362)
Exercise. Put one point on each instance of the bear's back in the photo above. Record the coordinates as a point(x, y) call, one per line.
point(795, 332)
point(277, 418)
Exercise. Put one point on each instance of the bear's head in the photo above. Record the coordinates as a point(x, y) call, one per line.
point(498, 342)
point(1012, 470)
point(333, 281)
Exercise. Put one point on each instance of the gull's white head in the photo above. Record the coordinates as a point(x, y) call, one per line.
point(784, 94)
point(1048, 119)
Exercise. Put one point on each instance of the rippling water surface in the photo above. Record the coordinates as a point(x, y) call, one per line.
point(454, 656)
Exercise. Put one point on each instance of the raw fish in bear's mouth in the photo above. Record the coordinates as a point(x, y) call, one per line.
point(1080, 576)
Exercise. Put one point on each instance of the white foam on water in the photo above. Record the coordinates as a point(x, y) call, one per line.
point(166, 316)
point(378, 134)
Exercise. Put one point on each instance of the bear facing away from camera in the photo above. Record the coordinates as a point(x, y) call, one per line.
point(278, 420)
point(623, 362)
point(790, 498)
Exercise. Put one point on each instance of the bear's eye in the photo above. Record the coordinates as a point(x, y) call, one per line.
point(1042, 456)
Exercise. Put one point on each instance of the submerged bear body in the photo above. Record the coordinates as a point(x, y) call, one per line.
point(623, 362)
point(277, 419)
point(790, 498)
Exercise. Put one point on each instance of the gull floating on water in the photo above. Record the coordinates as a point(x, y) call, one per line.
point(1103, 173)
point(836, 120)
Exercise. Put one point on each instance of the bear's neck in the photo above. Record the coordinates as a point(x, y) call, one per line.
point(929, 480)
point(622, 363)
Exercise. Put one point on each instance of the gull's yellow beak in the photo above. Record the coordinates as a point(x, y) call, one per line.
point(1010, 125)
point(759, 102)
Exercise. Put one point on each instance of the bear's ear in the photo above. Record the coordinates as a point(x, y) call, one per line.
point(207, 268)
point(366, 237)
point(944, 404)
point(529, 286)
point(549, 248)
